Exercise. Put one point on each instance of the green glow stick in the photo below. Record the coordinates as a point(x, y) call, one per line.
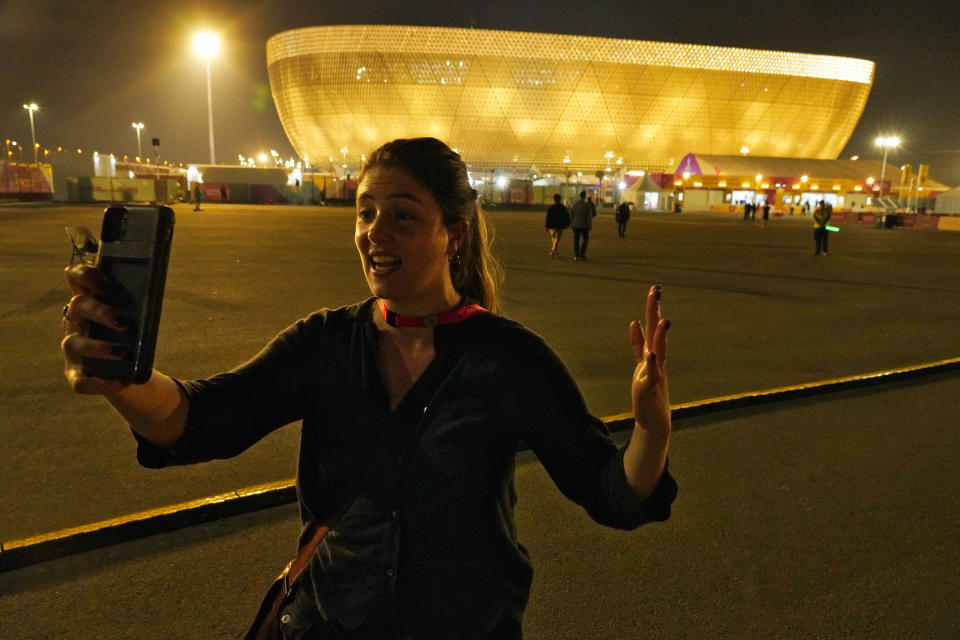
point(829, 228)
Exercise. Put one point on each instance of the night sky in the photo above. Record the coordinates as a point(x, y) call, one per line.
point(96, 67)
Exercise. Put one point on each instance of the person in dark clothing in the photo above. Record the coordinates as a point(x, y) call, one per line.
point(413, 404)
point(581, 220)
point(766, 215)
point(558, 219)
point(622, 216)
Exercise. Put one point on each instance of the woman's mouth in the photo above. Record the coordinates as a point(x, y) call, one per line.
point(382, 265)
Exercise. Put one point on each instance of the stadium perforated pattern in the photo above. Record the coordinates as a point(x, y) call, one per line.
point(518, 100)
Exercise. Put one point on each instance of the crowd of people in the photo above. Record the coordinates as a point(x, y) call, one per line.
point(580, 218)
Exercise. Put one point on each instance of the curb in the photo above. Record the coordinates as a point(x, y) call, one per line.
point(16, 554)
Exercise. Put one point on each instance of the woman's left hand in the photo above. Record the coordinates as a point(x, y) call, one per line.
point(650, 393)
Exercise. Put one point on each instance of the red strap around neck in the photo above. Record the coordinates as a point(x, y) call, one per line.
point(432, 320)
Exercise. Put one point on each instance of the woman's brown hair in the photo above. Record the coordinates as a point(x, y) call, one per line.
point(439, 169)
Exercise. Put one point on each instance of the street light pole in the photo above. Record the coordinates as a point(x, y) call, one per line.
point(33, 135)
point(886, 143)
point(138, 126)
point(213, 157)
point(207, 45)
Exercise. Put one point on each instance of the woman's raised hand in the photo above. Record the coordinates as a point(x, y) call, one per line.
point(649, 391)
point(83, 308)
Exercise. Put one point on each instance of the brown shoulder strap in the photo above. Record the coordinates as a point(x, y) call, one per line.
point(306, 551)
point(302, 559)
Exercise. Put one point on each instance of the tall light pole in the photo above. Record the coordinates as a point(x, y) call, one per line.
point(207, 45)
point(138, 126)
point(886, 143)
point(33, 134)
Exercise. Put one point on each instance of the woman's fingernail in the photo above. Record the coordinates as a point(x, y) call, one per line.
point(658, 291)
point(118, 350)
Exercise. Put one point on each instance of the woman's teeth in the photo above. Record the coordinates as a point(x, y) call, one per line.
point(385, 262)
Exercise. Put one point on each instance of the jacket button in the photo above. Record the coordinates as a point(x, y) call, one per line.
point(285, 618)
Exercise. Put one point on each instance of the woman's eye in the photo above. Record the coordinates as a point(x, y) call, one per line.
point(367, 215)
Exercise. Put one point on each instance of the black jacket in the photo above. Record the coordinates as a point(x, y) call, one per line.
point(558, 217)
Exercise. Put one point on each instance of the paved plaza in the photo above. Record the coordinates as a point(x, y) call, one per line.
point(827, 517)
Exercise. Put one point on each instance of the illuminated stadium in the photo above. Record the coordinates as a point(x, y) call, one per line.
point(539, 103)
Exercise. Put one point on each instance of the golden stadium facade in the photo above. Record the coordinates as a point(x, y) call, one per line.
point(554, 103)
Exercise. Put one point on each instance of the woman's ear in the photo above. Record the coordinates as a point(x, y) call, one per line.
point(457, 236)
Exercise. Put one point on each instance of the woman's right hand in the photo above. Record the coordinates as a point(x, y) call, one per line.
point(85, 281)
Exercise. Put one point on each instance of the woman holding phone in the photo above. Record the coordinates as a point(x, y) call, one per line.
point(413, 404)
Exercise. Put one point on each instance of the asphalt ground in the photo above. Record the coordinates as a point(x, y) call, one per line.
point(752, 308)
point(833, 517)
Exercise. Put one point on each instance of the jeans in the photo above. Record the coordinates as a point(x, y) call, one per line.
point(580, 239)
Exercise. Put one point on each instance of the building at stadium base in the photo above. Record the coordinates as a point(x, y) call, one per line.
point(725, 183)
point(541, 106)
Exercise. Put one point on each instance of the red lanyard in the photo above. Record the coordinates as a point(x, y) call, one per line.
point(432, 320)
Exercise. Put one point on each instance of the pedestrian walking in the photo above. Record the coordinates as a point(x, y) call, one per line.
point(765, 216)
point(558, 219)
point(581, 221)
point(412, 405)
point(622, 216)
point(821, 216)
point(196, 196)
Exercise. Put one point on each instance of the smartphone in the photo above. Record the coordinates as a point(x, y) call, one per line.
point(134, 253)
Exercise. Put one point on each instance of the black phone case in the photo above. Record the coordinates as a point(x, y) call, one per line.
point(134, 253)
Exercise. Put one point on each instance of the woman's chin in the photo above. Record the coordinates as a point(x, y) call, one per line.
point(382, 290)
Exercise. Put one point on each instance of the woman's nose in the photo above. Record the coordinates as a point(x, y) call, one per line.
point(376, 231)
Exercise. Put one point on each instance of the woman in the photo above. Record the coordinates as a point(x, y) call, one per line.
point(413, 405)
point(558, 219)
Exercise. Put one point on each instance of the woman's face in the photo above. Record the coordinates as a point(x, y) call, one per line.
point(404, 245)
